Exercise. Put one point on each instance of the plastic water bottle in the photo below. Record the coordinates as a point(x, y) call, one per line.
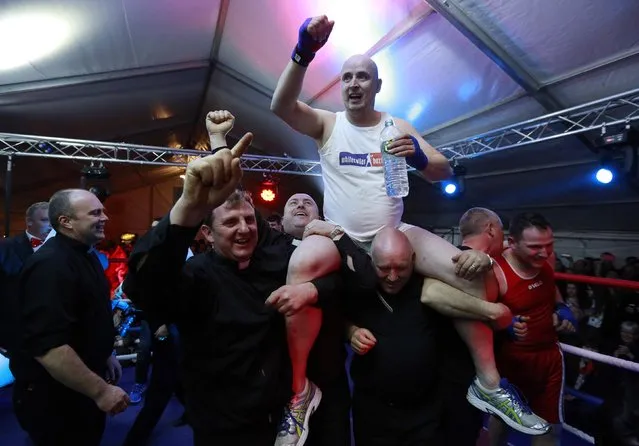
point(395, 173)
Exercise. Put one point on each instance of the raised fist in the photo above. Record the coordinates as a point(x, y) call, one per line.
point(210, 180)
point(320, 28)
point(219, 122)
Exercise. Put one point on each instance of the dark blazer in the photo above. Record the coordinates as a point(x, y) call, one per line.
point(14, 252)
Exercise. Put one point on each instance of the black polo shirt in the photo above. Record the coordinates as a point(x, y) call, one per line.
point(237, 372)
point(63, 299)
point(402, 367)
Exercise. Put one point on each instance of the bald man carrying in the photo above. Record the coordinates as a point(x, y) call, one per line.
point(355, 198)
point(395, 398)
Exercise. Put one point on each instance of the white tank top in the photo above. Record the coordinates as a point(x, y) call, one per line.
point(353, 173)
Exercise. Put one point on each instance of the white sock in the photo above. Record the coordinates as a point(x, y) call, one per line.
point(306, 387)
point(484, 388)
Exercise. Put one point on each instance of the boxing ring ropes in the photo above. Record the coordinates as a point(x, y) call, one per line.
point(596, 115)
point(595, 356)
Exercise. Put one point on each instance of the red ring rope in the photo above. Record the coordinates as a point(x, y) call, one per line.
point(629, 284)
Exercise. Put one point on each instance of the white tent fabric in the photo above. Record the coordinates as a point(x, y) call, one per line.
point(147, 71)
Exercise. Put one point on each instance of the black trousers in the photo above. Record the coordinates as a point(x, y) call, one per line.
point(143, 361)
point(164, 383)
point(330, 425)
point(461, 421)
point(383, 423)
point(256, 435)
point(55, 416)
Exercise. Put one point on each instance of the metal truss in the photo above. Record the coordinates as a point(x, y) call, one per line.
point(615, 110)
point(105, 152)
point(612, 111)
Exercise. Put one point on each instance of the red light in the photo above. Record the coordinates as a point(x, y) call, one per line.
point(267, 194)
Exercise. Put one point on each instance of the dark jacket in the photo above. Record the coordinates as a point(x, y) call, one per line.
point(14, 252)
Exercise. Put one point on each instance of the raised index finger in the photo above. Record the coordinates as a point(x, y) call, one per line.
point(242, 145)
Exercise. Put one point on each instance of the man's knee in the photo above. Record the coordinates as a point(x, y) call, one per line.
point(316, 256)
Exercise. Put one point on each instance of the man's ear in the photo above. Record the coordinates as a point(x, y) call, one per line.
point(64, 221)
point(207, 233)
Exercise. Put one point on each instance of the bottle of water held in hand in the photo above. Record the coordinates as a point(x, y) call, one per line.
point(395, 173)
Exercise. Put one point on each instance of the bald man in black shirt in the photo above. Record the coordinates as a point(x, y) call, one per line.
point(65, 349)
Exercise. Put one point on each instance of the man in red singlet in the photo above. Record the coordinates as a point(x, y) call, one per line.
point(529, 354)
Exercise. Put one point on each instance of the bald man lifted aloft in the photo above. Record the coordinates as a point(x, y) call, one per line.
point(355, 198)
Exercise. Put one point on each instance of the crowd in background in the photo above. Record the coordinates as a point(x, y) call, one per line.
point(608, 323)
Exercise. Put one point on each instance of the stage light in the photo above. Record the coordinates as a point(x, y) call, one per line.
point(267, 195)
point(268, 192)
point(604, 175)
point(450, 188)
point(457, 184)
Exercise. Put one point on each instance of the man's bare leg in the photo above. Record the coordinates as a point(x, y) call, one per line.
point(434, 259)
point(315, 257)
point(301, 332)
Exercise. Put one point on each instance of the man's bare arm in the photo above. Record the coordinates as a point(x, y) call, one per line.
point(66, 367)
point(438, 167)
point(454, 303)
point(290, 109)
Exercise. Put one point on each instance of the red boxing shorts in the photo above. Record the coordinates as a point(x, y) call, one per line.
point(539, 376)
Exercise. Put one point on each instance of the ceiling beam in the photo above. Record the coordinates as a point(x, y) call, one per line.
point(84, 79)
point(213, 55)
point(416, 16)
point(457, 17)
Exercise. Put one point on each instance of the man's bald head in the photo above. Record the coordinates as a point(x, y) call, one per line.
point(360, 83)
point(390, 241)
point(393, 257)
point(361, 61)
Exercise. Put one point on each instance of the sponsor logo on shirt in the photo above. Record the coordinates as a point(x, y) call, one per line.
point(360, 159)
point(537, 284)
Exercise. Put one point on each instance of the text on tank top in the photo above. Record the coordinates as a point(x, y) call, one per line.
point(353, 173)
point(534, 298)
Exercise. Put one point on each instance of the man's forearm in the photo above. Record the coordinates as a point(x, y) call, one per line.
point(217, 140)
point(288, 90)
point(454, 313)
point(455, 303)
point(66, 367)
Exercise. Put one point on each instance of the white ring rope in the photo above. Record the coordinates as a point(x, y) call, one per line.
point(610, 360)
point(605, 359)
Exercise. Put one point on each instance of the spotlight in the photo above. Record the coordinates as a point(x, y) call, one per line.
point(604, 175)
point(450, 188)
point(457, 184)
point(268, 192)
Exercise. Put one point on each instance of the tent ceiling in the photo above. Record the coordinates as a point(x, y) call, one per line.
point(147, 71)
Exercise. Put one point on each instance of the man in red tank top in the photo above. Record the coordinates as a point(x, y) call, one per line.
point(529, 354)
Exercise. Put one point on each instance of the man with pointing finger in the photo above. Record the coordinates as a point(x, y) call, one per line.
point(237, 372)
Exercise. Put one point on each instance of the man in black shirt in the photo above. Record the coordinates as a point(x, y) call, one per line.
point(14, 252)
point(65, 348)
point(237, 371)
point(481, 229)
point(395, 398)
